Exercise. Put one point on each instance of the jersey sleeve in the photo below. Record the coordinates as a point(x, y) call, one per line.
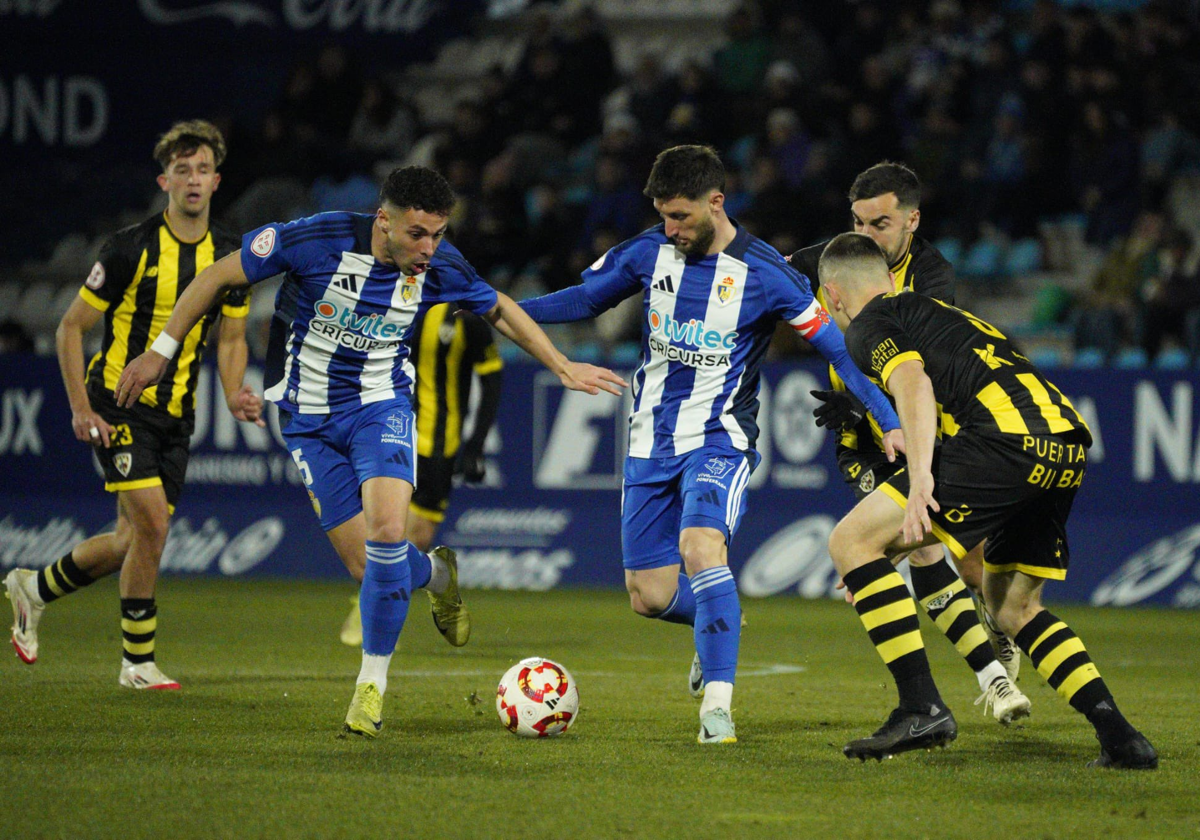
point(454, 280)
point(613, 277)
point(274, 248)
point(481, 347)
point(236, 303)
point(878, 343)
point(111, 275)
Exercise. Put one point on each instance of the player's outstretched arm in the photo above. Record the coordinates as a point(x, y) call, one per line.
point(831, 344)
point(88, 426)
point(917, 407)
point(232, 354)
point(198, 298)
point(511, 320)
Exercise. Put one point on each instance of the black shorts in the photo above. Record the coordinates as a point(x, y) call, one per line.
point(435, 480)
point(865, 470)
point(148, 447)
point(1013, 490)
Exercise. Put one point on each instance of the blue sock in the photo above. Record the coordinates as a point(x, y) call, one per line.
point(682, 609)
point(718, 622)
point(420, 567)
point(383, 597)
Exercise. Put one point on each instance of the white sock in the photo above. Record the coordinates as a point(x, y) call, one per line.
point(717, 695)
point(439, 575)
point(374, 669)
point(989, 674)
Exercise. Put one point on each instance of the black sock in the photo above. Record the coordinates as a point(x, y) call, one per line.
point(61, 578)
point(139, 621)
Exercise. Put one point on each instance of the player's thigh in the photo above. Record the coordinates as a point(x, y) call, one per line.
point(385, 507)
point(713, 486)
point(148, 512)
point(381, 442)
point(329, 478)
point(869, 531)
point(650, 512)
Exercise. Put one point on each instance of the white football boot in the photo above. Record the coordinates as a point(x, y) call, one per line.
point(27, 609)
point(145, 675)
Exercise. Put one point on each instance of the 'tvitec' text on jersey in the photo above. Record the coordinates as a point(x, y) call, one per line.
point(707, 325)
point(339, 337)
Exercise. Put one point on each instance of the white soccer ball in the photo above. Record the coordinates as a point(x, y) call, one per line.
point(537, 698)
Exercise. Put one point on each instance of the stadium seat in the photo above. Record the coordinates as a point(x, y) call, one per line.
point(1130, 358)
point(1172, 358)
point(1046, 357)
point(36, 307)
point(951, 249)
point(1024, 257)
point(983, 260)
point(1089, 358)
point(626, 354)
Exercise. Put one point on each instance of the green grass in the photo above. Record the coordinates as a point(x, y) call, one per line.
point(249, 748)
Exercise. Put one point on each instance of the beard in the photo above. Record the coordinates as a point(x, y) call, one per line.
point(701, 241)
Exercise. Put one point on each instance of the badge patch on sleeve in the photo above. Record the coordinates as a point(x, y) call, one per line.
point(96, 279)
point(264, 243)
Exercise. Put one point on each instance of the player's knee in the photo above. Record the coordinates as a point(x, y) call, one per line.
point(151, 529)
point(1014, 613)
point(929, 555)
point(647, 603)
point(389, 530)
point(701, 550)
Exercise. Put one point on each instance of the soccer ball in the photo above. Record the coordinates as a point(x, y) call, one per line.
point(537, 698)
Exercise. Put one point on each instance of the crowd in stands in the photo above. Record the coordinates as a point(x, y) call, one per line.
point(1049, 137)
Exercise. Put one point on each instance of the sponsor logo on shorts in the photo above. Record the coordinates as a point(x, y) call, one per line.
point(718, 467)
point(123, 461)
point(398, 426)
point(867, 482)
point(264, 243)
point(96, 279)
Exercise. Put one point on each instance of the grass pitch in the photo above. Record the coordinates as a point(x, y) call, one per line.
point(249, 748)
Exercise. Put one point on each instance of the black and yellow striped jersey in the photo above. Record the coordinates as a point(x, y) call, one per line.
point(923, 270)
point(140, 275)
point(446, 348)
point(979, 379)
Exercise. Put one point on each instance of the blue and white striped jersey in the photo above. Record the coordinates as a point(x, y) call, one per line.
point(342, 318)
point(706, 329)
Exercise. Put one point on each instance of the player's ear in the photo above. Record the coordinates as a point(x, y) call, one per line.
point(381, 216)
point(914, 220)
point(216, 180)
point(162, 182)
point(716, 201)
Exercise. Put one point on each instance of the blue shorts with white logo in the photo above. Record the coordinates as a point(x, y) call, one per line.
point(336, 453)
point(704, 488)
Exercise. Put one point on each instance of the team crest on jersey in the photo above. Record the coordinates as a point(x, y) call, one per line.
point(316, 503)
point(264, 243)
point(867, 482)
point(123, 461)
point(726, 289)
point(410, 289)
point(96, 278)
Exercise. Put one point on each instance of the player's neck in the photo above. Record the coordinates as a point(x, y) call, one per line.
point(855, 301)
point(725, 233)
point(187, 228)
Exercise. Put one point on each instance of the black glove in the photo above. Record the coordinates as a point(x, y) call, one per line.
point(471, 465)
point(839, 410)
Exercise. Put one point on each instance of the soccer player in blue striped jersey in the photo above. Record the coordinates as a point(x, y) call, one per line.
point(337, 367)
point(712, 294)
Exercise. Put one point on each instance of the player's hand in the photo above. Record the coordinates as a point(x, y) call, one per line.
point(584, 377)
point(138, 375)
point(247, 406)
point(471, 465)
point(839, 410)
point(893, 442)
point(849, 596)
point(91, 428)
point(916, 513)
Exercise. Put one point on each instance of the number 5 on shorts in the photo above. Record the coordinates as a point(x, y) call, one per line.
point(305, 472)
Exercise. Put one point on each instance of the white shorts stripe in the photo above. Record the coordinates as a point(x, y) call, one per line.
point(737, 485)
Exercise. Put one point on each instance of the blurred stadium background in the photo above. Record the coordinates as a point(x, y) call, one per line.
point(1059, 146)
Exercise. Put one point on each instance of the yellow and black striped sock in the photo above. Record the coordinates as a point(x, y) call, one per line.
point(890, 616)
point(61, 578)
point(139, 620)
point(952, 609)
point(1061, 659)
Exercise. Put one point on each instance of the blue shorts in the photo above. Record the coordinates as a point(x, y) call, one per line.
point(704, 488)
point(336, 453)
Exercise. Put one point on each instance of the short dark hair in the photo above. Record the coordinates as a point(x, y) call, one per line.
point(185, 138)
point(887, 177)
point(850, 247)
point(419, 188)
point(688, 171)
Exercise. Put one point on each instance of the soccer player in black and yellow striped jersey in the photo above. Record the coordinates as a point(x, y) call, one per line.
point(449, 349)
point(1013, 455)
point(885, 204)
point(143, 449)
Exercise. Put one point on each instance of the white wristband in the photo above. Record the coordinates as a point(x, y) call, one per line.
point(164, 345)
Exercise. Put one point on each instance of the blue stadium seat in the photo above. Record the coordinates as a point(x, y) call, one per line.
point(587, 351)
point(1046, 357)
point(983, 259)
point(627, 354)
point(1173, 358)
point(1130, 358)
point(951, 249)
point(1089, 358)
point(1024, 257)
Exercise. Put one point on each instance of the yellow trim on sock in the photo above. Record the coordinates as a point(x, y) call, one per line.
point(1080, 677)
point(888, 613)
point(893, 649)
point(144, 625)
point(1059, 655)
point(957, 586)
point(52, 583)
point(1050, 631)
point(952, 612)
point(889, 581)
point(970, 640)
point(139, 648)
